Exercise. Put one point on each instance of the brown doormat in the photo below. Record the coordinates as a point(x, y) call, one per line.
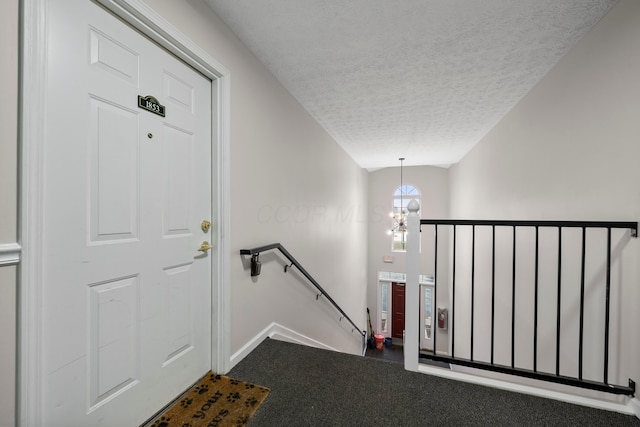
point(216, 400)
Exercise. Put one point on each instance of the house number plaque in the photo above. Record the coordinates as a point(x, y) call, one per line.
point(151, 104)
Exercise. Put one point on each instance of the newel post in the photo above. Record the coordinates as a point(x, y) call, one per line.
point(412, 289)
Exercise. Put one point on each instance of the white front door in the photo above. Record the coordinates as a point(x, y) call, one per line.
point(126, 292)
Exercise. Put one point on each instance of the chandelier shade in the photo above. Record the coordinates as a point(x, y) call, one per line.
point(402, 196)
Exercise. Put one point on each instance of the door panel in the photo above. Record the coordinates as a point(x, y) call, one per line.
point(178, 159)
point(397, 309)
point(113, 344)
point(126, 295)
point(113, 172)
point(179, 337)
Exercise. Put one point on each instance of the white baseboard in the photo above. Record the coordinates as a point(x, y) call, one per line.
point(277, 332)
point(634, 406)
point(624, 408)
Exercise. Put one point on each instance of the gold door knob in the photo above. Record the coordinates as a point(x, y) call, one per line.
point(205, 226)
point(205, 246)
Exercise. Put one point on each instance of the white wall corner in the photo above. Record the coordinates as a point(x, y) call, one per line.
point(634, 406)
point(280, 333)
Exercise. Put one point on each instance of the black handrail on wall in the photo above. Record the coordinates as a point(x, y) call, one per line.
point(534, 373)
point(255, 252)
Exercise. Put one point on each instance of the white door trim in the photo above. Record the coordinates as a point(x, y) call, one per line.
point(32, 127)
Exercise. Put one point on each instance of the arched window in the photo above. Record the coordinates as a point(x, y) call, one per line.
point(401, 198)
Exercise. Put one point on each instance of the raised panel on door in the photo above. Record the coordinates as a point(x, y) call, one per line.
point(178, 174)
point(113, 172)
point(114, 338)
point(179, 334)
point(397, 310)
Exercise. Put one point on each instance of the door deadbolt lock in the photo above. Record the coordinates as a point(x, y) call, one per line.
point(205, 226)
point(205, 246)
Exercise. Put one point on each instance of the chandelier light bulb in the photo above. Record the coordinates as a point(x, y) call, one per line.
point(397, 214)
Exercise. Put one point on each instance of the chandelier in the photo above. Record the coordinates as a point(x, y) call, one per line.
point(399, 224)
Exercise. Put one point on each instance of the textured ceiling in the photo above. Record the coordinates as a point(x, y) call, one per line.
point(421, 79)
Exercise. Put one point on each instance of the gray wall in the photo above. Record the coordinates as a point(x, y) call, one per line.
point(8, 203)
point(569, 150)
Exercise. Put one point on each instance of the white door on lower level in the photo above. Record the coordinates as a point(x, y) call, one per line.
point(126, 292)
point(427, 322)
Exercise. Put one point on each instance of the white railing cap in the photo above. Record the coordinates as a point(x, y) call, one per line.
point(413, 207)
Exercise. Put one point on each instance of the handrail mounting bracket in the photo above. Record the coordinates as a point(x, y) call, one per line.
point(256, 265)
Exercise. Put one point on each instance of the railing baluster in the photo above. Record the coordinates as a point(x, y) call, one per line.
point(606, 315)
point(559, 304)
point(434, 318)
point(582, 276)
point(473, 276)
point(493, 287)
point(535, 310)
point(513, 299)
point(452, 317)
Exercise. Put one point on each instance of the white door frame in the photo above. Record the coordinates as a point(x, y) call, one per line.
point(32, 128)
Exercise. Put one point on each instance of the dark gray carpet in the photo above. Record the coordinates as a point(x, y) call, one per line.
point(393, 353)
point(311, 387)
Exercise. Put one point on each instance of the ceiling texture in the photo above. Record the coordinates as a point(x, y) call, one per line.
point(420, 79)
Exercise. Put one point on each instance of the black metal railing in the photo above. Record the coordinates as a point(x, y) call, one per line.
point(489, 362)
point(255, 270)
